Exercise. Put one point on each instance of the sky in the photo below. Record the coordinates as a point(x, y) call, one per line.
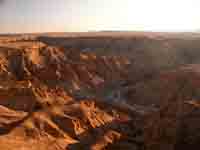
point(28, 16)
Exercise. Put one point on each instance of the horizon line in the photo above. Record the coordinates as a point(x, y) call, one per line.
point(99, 31)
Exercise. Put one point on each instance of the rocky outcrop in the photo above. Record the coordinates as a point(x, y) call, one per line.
point(58, 98)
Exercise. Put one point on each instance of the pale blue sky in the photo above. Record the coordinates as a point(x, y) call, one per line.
point(84, 15)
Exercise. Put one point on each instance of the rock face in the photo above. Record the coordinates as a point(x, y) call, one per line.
point(48, 97)
point(59, 98)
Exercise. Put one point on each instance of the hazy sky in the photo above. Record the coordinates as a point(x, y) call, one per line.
point(84, 15)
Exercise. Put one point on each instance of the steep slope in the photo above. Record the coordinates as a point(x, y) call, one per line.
point(47, 97)
point(58, 98)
